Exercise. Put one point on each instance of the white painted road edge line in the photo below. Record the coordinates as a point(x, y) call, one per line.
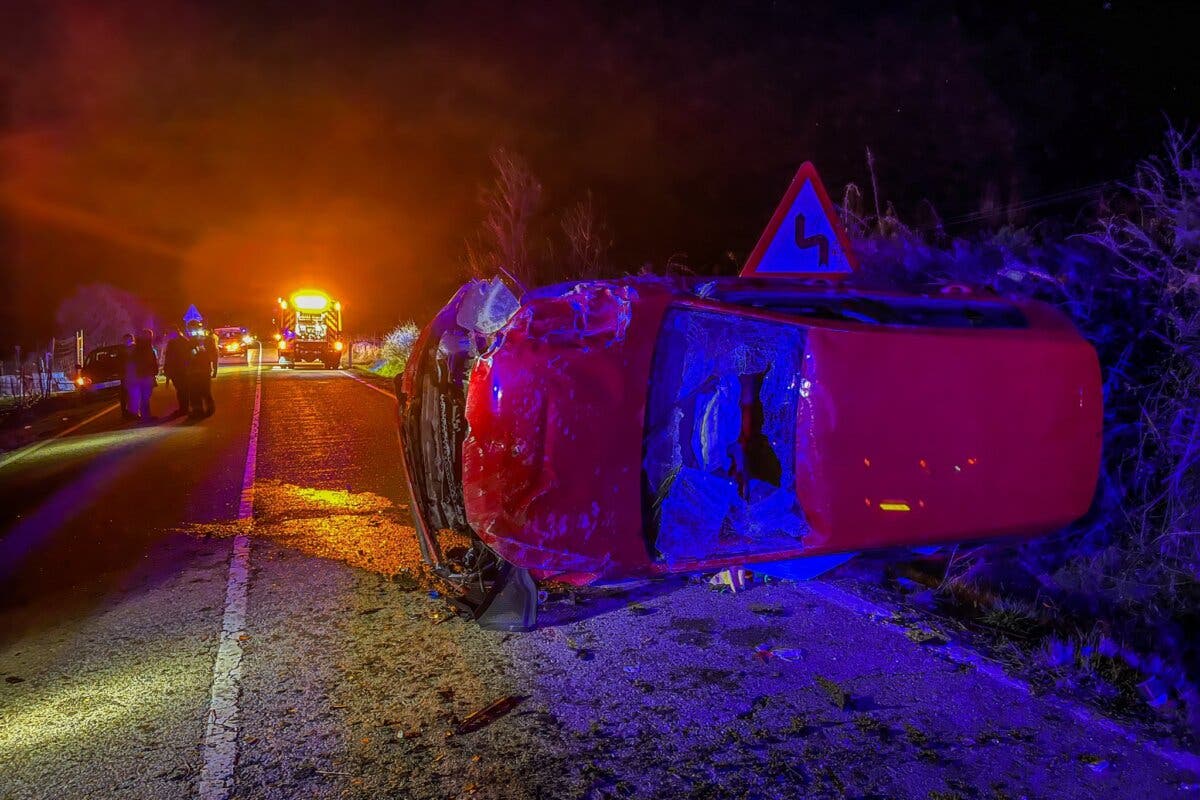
point(967, 657)
point(368, 384)
point(33, 448)
point(220, 748)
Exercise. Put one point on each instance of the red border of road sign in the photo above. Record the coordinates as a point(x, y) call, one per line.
point(807, 173)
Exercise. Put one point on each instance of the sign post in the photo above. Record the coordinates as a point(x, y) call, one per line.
point(805, 238)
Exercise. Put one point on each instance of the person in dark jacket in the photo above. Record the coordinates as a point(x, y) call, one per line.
point(128, 378)
point(144, 361)
point(200, 378)
point(176, 359)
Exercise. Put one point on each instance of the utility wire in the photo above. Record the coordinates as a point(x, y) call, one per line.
point(1033, 202)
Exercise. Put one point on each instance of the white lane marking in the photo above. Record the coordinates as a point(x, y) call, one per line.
point(368, 384)
point(33, 448)
point(220, 748)
point(969, 658)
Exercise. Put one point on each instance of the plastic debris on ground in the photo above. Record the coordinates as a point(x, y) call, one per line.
point(735, 579)
point(765, 652)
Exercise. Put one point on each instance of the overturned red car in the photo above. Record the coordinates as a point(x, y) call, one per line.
point(604, 430)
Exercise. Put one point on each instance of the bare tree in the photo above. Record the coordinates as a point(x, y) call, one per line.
point(509, 205)
point(588, 239)
point(105, 313)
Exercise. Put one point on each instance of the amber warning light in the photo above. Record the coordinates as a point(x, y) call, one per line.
point(310, 302)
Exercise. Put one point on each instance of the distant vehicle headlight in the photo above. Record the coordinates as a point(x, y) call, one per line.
point(247, 339)
point(338, 346)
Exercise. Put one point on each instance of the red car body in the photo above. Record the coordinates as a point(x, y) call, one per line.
point(907, 420)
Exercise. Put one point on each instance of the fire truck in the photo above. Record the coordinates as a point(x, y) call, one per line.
point(309, 329)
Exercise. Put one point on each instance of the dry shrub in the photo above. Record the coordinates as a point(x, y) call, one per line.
point(396, 348)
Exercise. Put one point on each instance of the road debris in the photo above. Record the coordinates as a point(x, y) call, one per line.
point(922, 635)
point(734, 579)
point(837, 695)
point(488, 714)
point(768, 609)
point(765, 652)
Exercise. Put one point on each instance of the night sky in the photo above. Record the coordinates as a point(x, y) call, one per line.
point(224, 153)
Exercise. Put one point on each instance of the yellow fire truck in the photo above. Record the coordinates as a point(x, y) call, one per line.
point(310, 329)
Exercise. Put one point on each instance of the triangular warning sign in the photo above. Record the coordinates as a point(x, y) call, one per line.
point(192, 315)
point(805, 238)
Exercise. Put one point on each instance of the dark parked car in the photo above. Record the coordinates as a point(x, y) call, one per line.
point(101, 370)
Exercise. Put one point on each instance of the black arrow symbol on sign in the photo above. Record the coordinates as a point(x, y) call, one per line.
point(819, 241)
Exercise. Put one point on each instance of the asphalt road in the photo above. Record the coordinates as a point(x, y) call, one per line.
point(119, 612)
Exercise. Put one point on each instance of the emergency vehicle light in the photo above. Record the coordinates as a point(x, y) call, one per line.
point(310, 302)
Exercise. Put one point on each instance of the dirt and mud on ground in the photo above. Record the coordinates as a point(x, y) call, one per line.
point(356, 680)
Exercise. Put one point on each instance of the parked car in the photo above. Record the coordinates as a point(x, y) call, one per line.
point(606, 430)
point(100, 371)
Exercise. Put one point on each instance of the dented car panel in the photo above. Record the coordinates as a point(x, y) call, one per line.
point(555, 410)
point(615, 429)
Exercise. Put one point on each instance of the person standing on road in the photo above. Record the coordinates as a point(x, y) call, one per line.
point(145, 373)
point(199, 381)
point(176, 359)
point(214, 351)
point(127, 373)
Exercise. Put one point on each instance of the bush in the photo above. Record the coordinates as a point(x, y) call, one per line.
point(396, 348)
point(366, 351)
